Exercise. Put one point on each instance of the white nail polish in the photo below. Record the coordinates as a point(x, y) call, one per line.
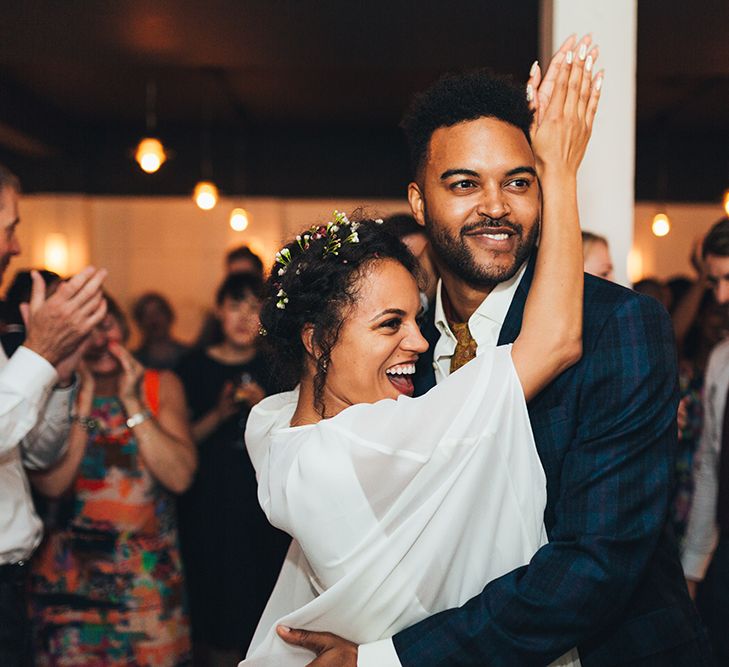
point(588, 63)
point(529, 92)
point(570, 57)
point(583, 51)
point(598, 83)
point(533, 69)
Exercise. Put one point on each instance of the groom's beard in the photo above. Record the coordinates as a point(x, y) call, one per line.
point(454, 252)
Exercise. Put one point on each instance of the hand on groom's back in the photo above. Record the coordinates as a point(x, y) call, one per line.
point(331, 651)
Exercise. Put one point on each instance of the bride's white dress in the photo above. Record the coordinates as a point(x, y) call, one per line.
point(399, 509)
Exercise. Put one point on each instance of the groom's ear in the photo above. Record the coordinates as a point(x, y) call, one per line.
point(417, 202)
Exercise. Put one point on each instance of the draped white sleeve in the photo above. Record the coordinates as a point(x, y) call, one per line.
point(399, 509)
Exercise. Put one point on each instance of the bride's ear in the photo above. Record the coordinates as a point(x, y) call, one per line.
point(307, 338)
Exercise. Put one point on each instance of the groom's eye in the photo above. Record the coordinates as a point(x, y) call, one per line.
point(463, 185)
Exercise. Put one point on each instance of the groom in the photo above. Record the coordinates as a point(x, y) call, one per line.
point(609, 581)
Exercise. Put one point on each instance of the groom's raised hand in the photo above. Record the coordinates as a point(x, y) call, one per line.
point(331, 651)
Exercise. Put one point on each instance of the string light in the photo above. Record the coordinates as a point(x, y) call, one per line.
point(661, 224)
point(205, 195)
point(150, 154)
point(726, 201)
point(239, 219)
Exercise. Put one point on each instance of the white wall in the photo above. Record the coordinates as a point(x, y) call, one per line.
point(166, 243)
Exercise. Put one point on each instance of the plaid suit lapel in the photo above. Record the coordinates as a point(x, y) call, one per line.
point(512, 324)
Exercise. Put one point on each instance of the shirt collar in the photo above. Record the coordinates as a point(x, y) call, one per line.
point(493, 308)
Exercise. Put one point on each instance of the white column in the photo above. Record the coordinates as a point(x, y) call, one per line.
point(606, 180)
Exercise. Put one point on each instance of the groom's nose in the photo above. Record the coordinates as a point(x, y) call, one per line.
point(493, 202)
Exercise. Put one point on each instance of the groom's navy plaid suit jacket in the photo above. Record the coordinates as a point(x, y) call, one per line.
point(609, 581)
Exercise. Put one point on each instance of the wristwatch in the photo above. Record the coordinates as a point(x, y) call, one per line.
point(138, 417)
point(86, 423)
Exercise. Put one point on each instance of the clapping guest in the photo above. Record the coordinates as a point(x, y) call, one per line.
point(107, 584)
point(232, 555)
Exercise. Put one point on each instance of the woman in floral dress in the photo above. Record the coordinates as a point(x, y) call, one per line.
point(107, 583)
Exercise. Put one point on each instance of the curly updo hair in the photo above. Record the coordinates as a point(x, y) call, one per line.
point(318, 287)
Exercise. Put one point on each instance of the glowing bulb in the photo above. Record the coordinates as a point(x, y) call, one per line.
point(56, 253)
point(661, 224)
point(726, 201)
point(150, 154)
point(205, 195)
point(239, 219)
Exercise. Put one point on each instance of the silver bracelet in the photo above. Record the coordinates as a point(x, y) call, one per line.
point(138, 418)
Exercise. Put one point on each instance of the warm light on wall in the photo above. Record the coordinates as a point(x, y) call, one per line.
point(150, 154)
point(726, 201)
point(239, 219)
point(661, 224)
point(56, 253)
point(205, 195)
point(635, 265)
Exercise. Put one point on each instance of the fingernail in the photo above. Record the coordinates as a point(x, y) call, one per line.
point(530, 92)
point(570, 57)
point(285, 628)
point(533, 69)
point(588, 63)
point(583, 51)
point(598, 83)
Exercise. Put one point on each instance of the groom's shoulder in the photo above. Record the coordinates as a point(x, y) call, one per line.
point(606, 302)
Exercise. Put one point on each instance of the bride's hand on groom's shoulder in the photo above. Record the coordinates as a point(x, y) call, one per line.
point(330, 650)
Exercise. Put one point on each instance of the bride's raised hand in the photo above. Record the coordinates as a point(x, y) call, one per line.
point(560, 139)
point(539, 89)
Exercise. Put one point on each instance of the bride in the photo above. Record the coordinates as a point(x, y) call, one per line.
point(402, 507)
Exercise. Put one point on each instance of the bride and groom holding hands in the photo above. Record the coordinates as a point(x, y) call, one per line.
point(489, 486)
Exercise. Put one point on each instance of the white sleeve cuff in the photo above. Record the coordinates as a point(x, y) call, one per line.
point(378, 654)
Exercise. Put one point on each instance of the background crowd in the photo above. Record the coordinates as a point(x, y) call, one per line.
point(155, 550)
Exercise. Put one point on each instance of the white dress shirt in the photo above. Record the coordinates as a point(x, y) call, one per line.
point(702, 532)
point(34, 424)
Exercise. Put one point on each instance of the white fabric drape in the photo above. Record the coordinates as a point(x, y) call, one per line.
point(399, 509)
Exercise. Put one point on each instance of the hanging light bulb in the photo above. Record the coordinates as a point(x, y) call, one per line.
point(661, 224)
point(150, 154)
point(726, 201)
point(205, 195)
point(239, 219)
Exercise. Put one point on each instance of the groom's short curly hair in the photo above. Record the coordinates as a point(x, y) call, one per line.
point(457, 98)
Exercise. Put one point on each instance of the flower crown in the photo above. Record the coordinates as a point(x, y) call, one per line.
point(336, 234)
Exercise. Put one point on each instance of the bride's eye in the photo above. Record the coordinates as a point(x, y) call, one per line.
point(393, 324)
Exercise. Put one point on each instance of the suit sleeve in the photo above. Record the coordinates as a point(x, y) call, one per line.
point(612, 503)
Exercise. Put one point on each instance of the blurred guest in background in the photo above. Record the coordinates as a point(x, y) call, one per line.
point(154, 316)
point(107, 586)
point(706, 554)
point(596, 256)
point(240, 259)
point(407, 229)
point(654, 288)
point(232, 554)
point(12, 333)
